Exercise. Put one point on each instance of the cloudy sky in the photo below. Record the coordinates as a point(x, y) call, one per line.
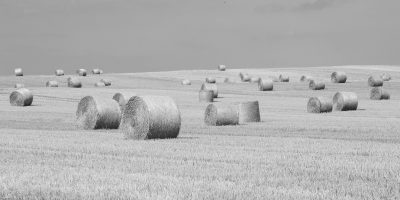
point(152, 35)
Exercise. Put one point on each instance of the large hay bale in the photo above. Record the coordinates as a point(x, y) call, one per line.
point(18, 72)
point(375, 82)
point(386, 77)
point(255, 79)
point(21, 97)
point(100, 84)
point(343, 101)
point(149, 117)
point(378, 93)
point(305, 78)
point(19, 85)
point(211, 80)
point(51, 84)
point(106, 82)
point(122, 99)
point(59, 72)
point(283, 78)
point(221, 67)
point(338, 77)
point(186, 82)
point(319, 105)
point(314, 85)
point(212, 87)
point(206, 96)
point(82, 72)
point(95, 71)
point(221, 115)
point(244, 77)
point(265, 85)
point(249, 112)
point(98, 113)
point(74, 82)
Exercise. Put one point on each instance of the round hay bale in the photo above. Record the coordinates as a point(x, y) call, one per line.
point(100, 84)
point(82, 72)
point(19, 85)
point(265, 85)
point(386, 77)
point(244, 77)
point(211, 80)
point(338, 77)
point(305, 78)
point(375, 82)
point(283, 78)
point(21, 97)
point(206, 96)
point(221, 67)
point(313, 85)
point(319, 105)
point(122, 99)
point(18, 72)
point(378, 93)
point(106, 82)
point(150, 117)
point(255, 79)
point(221, 115)
point(212, 87)
point(186, 82)
point(51, 84)
point(249, 112)
point(98, 113)
point(59, 72)
point(343, 101)
point(95, 71)
point(74, 82)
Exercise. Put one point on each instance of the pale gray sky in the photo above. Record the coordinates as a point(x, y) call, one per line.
point(151, 35)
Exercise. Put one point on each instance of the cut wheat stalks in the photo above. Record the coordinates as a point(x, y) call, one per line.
point(210, 86)
point(343, 101)
point(375, 82)
point(221, 67)
point(314, 85)
point(265, 85)
point(206, 96)
point(98, 113)
point(249, 112)
point(59, 72)
point(319, 105)
point(150, 117)
point(51, 84)
point(283, 78)
point(74, 82)
point(21, 97)
point(221, 115)
point(338, 77)
point(378, 93)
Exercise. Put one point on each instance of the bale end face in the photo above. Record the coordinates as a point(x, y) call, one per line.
point(319, 105)
point(21, 97)
point(249, 112)
point(221, 115)
point(344, 101)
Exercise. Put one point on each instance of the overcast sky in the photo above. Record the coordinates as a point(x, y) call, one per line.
point(152, 35)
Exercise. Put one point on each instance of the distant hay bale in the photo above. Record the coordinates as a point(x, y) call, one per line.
point(21, 97)
point(221, 67)
point(96, 71)
point(375, 82)
point(319, 105)
point(98, 113)
point(206, 96)
point(314, 85)
point(211, 80)
point(74, 82)
point(150, 117)
point(212, 87)
point(343, 101)
point(18, 72)
point(106, 82)
point(51, 84)
point(19, 85)
point(386, 77)
point(338, 77)
point(82, 72)
point(283, 78)
point(378, 93)
point(100, 84)
point(221, 115)
point(186, 82)
point(244, 77)
point(122, 99)
point(255, 79)
point(249, 112)
point(305, 78)
point(59, 72)
point(265, 85)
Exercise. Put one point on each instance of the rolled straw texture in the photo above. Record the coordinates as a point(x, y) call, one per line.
point(319, 105)
point(249, 112)
point(343, 101)
point(338, 77)
point(21, 97)
point(221, 115)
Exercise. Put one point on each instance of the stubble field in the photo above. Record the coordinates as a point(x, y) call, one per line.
point(291, 154)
